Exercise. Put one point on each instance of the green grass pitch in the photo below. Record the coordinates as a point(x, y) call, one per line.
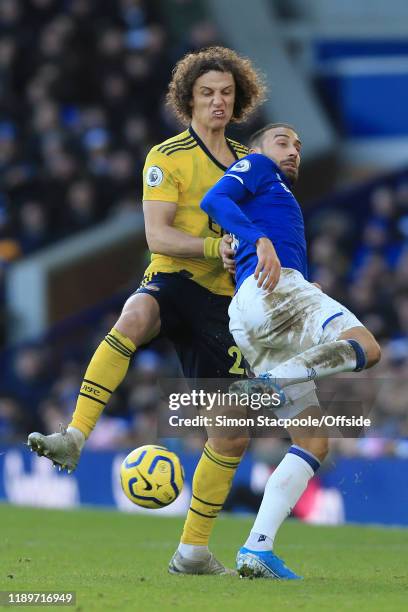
point(118, 562)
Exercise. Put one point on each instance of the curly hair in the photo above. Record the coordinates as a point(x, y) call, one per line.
point(249, 83)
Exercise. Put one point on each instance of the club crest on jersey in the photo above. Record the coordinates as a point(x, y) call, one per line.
point(154, 176)
point(242, 166)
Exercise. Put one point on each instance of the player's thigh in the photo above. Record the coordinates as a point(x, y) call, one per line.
point(311, 437)
point(271, 328)
point(217, 357)
point(140, 318)
point(250, 348)
point(214, 348)
point(335, 320)
point(153, 308)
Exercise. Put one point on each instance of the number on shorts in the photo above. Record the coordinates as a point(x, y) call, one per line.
point(234, 351)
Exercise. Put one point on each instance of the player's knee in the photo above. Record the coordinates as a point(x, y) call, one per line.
point(139, 320)
point(368, 344)
point(229, 447)
point(373, 353)
point(133, 320)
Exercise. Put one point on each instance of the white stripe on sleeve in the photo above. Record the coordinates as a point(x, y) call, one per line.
point(237, 177)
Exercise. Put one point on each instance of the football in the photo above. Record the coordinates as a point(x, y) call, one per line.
point(152, 476)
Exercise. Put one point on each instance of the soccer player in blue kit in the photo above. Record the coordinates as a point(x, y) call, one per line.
point(289, 331)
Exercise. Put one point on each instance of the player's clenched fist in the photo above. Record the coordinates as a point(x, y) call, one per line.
point(267, 271)
point(227, 253)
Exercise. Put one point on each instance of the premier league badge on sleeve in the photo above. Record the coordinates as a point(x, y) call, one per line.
point(242, 166)
point(154, 176)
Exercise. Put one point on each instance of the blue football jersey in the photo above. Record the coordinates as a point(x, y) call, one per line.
point(254, 199)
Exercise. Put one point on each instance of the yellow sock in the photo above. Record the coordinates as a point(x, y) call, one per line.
point(211, 484)
point(105, 372)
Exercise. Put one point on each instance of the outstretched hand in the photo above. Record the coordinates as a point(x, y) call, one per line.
point(267, 271)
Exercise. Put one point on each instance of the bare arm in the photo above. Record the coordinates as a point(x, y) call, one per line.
point(162, 237)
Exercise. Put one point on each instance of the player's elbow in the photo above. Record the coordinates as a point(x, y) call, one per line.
point(154, 240)
point(207, 204)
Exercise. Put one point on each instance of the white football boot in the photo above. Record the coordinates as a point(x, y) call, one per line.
point(209, 565)
point(63, 448)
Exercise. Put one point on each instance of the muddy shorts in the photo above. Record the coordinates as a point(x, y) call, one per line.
point(270, 328)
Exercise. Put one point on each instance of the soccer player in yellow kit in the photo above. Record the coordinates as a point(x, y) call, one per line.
point(185, 292)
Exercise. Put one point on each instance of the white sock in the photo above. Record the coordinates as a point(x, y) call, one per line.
point(193, 552)
point(282, 491)
point(258, 541)
point(78, 436)
point(320, 361)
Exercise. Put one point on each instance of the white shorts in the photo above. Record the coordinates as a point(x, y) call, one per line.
point(270, 328)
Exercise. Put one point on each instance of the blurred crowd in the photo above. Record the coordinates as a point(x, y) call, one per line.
point(358, 253)
point(82, 86)
point(81, 101)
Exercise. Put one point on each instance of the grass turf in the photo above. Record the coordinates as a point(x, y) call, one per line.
point(118, 562)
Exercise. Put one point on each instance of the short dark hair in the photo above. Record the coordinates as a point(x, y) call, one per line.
point(249, 83)
point(255, 140)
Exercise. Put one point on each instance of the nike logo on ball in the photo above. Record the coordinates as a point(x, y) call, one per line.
point(148, 486)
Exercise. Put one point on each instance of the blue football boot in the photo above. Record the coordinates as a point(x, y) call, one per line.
point(263, 564)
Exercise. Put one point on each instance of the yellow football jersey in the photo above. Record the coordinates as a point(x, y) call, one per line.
point(182, 170)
